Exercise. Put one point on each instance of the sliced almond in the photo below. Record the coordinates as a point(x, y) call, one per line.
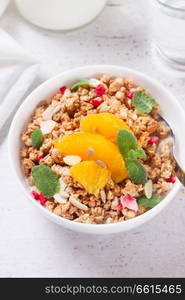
point(77, 203)
point(64, 194)
point(63, 185)
point(72, 160)
point(47, 126)
point(50, 111)
point(148, 189)
point(103, 196)
point(59, 199)
point(101, 163)
point(114, 203)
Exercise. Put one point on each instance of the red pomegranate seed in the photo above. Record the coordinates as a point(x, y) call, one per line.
point(154, 140)
point(100, 90)
point(35, 195)
point(171, 179)
point(130, 94)
point(40, 157)
point(119, 206)
point(62, 89)
point(42, 199)
point(97, 101)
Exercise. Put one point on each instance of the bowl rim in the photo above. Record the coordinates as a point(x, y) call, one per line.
point(83, 226)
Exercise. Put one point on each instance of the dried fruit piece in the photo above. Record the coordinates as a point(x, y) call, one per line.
point(97, 101)
point(153, 140)
point(42, 199)
point(106, 124)
point(100, 90)
point(35, 195)
point(78, 143)
point(171, 179)
point(92, 176)
point(63, 89)
point(129, 202)
point(72, 160)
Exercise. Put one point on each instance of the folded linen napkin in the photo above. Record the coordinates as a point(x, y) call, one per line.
point(17, 73)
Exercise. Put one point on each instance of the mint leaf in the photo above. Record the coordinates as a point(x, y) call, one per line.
point(36, 138)
point(126, 141)
point(149, 203)
point(138, 153)
point(46, 180)
point(136, 171)
point(83, 83)
point(143, 102)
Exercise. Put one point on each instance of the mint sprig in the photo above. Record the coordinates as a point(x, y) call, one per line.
point(36, 138)
point(149, 203)
point(136, 171)
point(126, 141)
point(138, 153)
point(128, 148)
point(46, 180)
point(143, 102)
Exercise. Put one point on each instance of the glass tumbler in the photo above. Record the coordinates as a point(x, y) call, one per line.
point(168, 29)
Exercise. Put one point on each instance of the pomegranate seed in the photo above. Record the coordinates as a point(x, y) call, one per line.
point(62, 89)
point(42, 199)
point(40, 157)
point(35, 195)
point(97, 101)
point(171, 179)
point(130, 94)
point(154, 140)
point(119, 206)
point(100, 90)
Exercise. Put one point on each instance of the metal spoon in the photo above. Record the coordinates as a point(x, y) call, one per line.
point(180, 173)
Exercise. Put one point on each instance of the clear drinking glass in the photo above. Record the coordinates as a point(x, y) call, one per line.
point(168, 23)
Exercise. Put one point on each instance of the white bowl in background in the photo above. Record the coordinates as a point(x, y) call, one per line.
point(171, 110)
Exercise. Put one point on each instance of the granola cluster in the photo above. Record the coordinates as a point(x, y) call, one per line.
point(66, 110)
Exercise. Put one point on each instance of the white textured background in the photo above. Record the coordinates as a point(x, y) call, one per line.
point(32, 246)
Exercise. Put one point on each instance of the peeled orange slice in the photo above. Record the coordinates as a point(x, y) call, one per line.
point(95, 147)
point(92, 176)
point(106, 124)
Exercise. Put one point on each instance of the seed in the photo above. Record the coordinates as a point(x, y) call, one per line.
point(90, 151)
point(72, 160)
point(101, 163)
point(148, 189)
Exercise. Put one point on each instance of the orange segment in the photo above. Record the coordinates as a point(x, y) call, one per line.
point(91, 146)
point(106, 124)
point(91, 175)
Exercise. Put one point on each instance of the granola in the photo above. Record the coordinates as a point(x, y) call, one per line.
point(115, 200)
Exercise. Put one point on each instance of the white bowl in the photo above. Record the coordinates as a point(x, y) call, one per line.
point(171, 110)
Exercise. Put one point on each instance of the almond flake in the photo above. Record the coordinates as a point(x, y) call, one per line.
point(103, 196)
point(63, 185)
point(64, 194)
point(148, 189)
point(59, 199)
point(50, 111)
point(101, 163)
point(72, 160)
point(77, 203)
point(114, 203)
point(47, 126)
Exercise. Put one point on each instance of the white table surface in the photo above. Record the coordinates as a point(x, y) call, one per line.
point(30, 245)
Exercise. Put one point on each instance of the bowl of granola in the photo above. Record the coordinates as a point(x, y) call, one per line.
point(89, 150)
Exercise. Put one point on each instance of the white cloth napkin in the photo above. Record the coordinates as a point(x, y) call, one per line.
point(17, 73)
